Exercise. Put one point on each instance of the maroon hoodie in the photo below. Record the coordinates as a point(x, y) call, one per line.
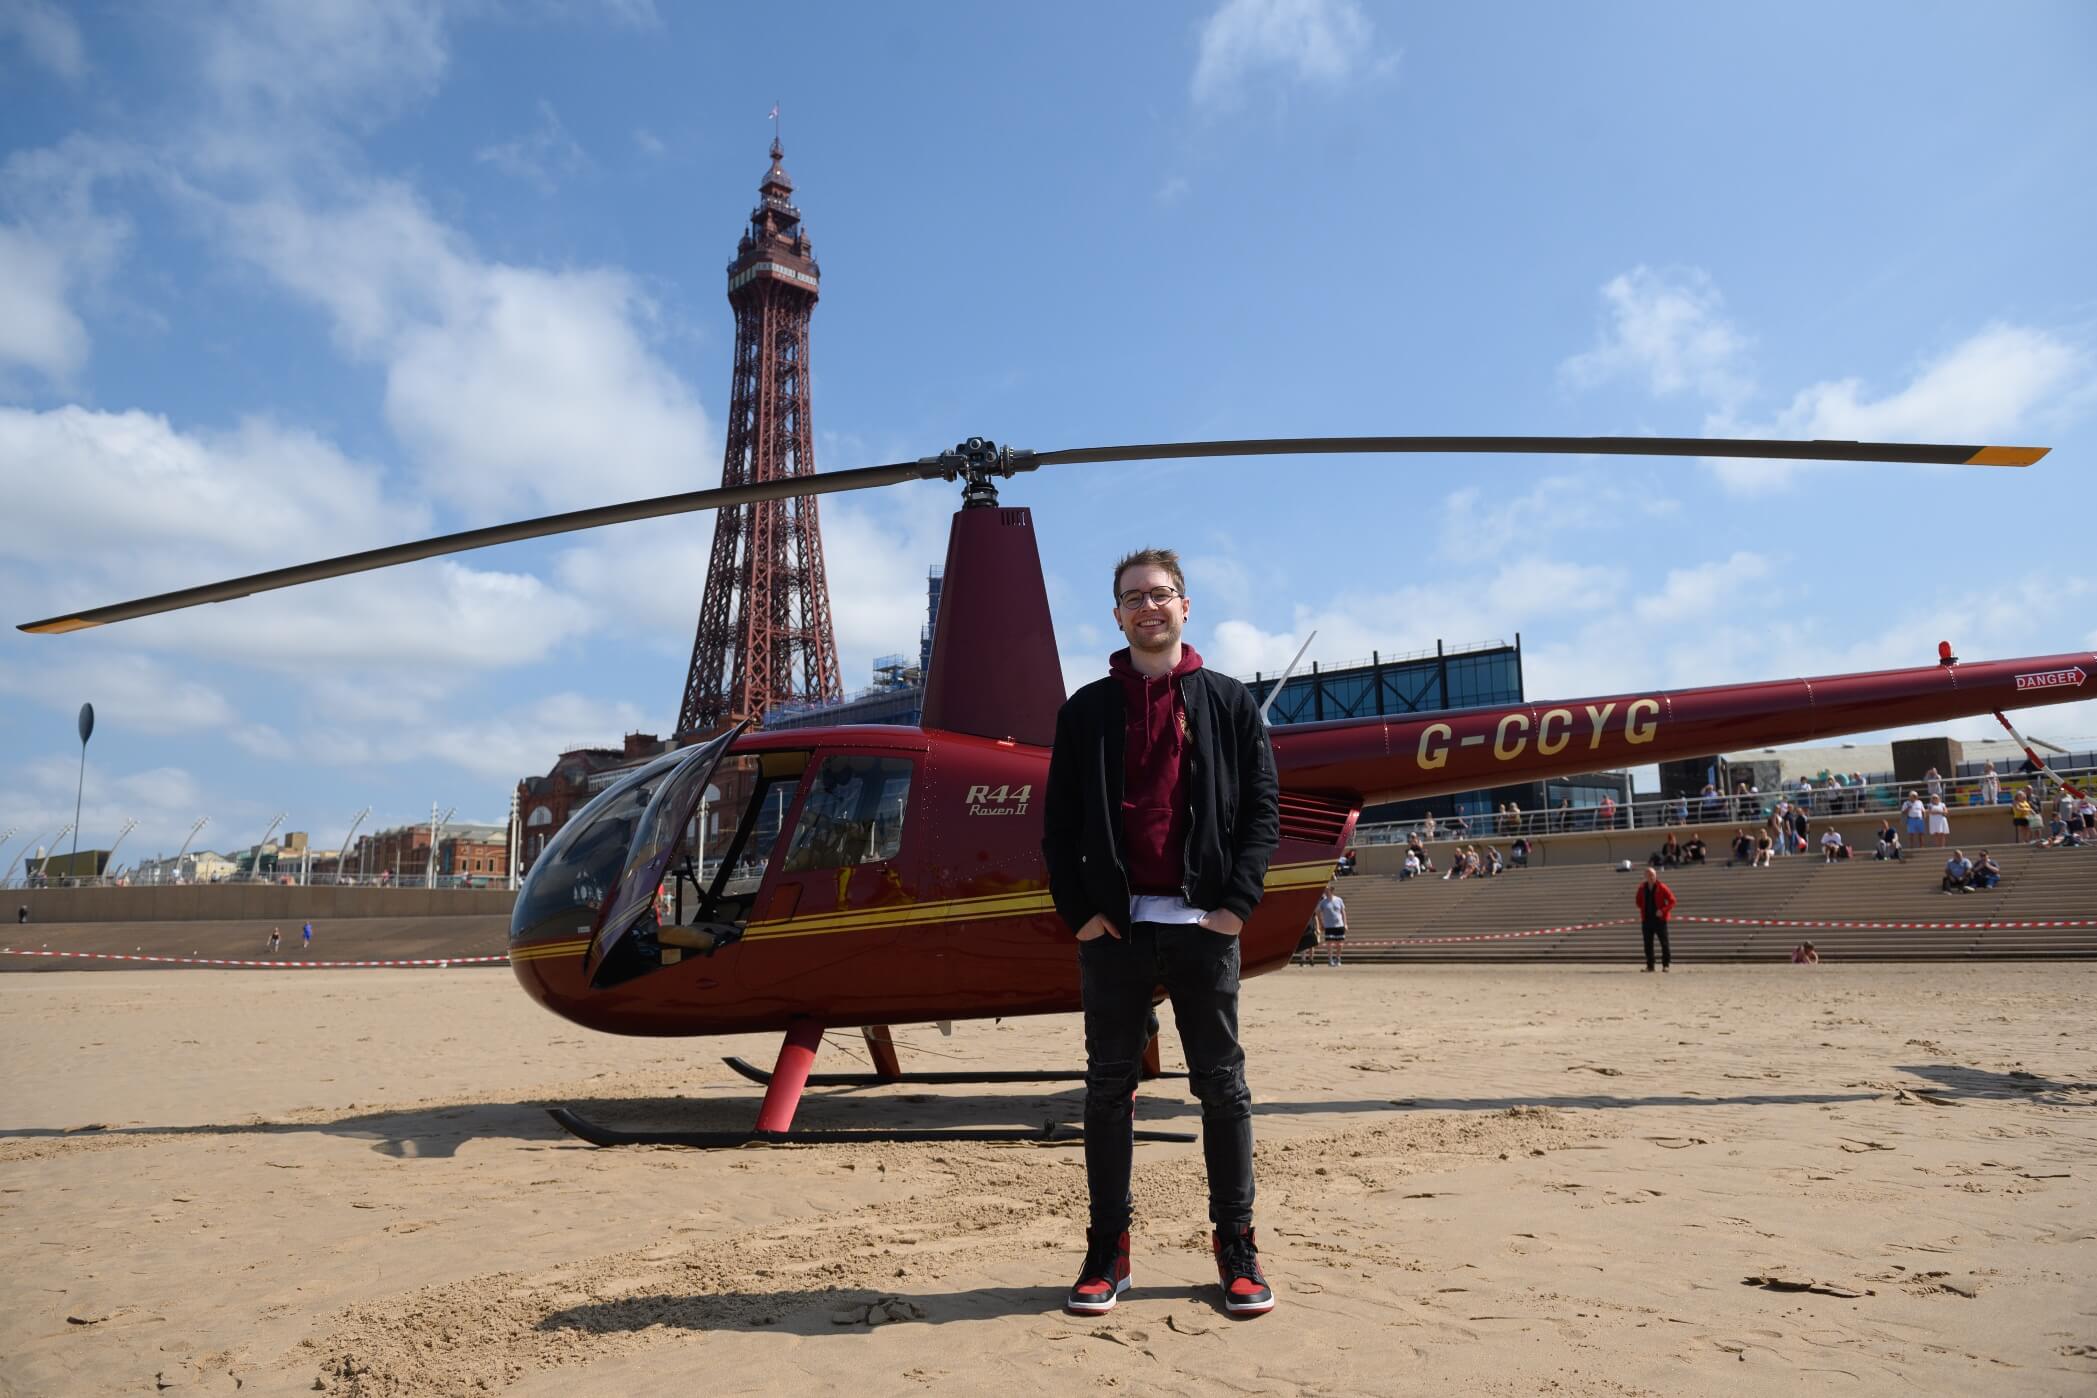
point(1154, 790)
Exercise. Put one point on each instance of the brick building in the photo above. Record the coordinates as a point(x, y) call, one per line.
point(477, 854)
point(545, 803)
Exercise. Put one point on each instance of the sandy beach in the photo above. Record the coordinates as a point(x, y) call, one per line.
point(1503, 1181)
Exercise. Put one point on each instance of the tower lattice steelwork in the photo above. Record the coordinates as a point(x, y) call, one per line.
point(767, 603)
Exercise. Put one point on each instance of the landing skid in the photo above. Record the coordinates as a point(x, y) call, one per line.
point(784, 1084)
point(763, 1078)
point(1049, 1133)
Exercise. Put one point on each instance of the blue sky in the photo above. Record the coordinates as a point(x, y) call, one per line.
point(280, 280)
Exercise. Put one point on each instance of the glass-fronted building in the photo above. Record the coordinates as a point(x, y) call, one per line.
point(1423, 682)
point(1460, 677)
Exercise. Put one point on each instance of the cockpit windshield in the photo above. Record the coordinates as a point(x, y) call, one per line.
point(587, 862)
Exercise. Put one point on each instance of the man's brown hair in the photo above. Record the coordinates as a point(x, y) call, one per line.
point(1150, 558)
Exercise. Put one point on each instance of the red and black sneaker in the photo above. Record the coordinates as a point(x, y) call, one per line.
point(1245, 1290)
point(1104, 1276)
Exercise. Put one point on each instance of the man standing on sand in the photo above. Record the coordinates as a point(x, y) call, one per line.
point(306, 937)
point(1655, 901)
point(1160, 816)
point(1332, 919)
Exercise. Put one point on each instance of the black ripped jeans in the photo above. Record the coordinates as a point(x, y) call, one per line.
point(1199, 970)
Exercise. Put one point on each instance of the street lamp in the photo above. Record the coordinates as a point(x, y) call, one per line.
point(429, 879)
point(43, 868)
point(255, 871)
point(201, 822)
point(11, 831)
point(109, 864)
point(342, 856)
point(87, 729)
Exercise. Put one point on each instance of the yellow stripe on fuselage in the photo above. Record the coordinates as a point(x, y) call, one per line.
point(985, 908)
point(539, 950)
point(993, 907)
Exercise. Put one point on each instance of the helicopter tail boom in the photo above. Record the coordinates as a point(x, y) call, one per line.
point(1386, 759)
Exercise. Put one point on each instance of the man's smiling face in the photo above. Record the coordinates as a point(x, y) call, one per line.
point(1149, 626)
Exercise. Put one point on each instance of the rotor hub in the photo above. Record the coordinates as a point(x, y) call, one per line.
point(977, 463)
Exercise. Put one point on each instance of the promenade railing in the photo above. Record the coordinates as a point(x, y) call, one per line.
point(1872, 798)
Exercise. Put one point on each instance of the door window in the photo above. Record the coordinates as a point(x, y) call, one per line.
point(853, 813)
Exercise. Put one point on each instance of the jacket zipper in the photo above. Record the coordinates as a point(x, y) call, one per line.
point(1186, 846)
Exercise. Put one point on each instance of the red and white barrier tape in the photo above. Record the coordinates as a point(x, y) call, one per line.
point(1812, 924)
point(1489, 936)
point(265, 965)
point(1908, 926)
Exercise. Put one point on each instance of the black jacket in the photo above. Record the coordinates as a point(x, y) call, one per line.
point(1235, 815)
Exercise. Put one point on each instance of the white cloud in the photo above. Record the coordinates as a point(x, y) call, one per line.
point(130, 489)
point(502, 746)
point(376, 261)
point(647, 580)
point(543, 158)
point(634, 14)
point(1478, 522)
point(128, 691)
point(161, 786)
point(58, 246)
point(1667, 330)
point(515, 388)
point(1238, 647)
point(262, 741)
point(495, 746)
point(47, 33)
point(648, 142)
point(538, 390)
point(1174, 189)
point(38, 330)
point(285, 77)
point(2004, 380)
point(163, 800)
point(1414, 617)
point(129, 506)
point(1319, 43)
point(1707, 592)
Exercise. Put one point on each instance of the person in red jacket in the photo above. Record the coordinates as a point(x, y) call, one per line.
point(1655, 901)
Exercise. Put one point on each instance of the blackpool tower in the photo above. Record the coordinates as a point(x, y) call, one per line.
point(764, 627)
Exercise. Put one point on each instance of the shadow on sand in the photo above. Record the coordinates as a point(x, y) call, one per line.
point(438, 1132)
point(846, 1310)
point(2016, 1085)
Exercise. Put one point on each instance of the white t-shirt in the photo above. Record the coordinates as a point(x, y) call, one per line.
point(1332, 912)
point(1163, 907)
point(1833, 837)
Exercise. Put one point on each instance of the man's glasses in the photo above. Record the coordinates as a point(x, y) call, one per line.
point(1157, 597)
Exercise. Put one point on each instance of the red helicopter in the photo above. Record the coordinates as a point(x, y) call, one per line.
point(812, 879)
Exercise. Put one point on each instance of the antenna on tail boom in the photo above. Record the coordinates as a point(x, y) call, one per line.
point(1275, 692)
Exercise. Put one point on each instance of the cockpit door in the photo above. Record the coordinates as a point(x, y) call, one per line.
point(671, 802)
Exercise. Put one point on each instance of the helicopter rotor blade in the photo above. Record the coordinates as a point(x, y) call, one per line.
point(1767, 449)
point(826, 483)
point(991, 461)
